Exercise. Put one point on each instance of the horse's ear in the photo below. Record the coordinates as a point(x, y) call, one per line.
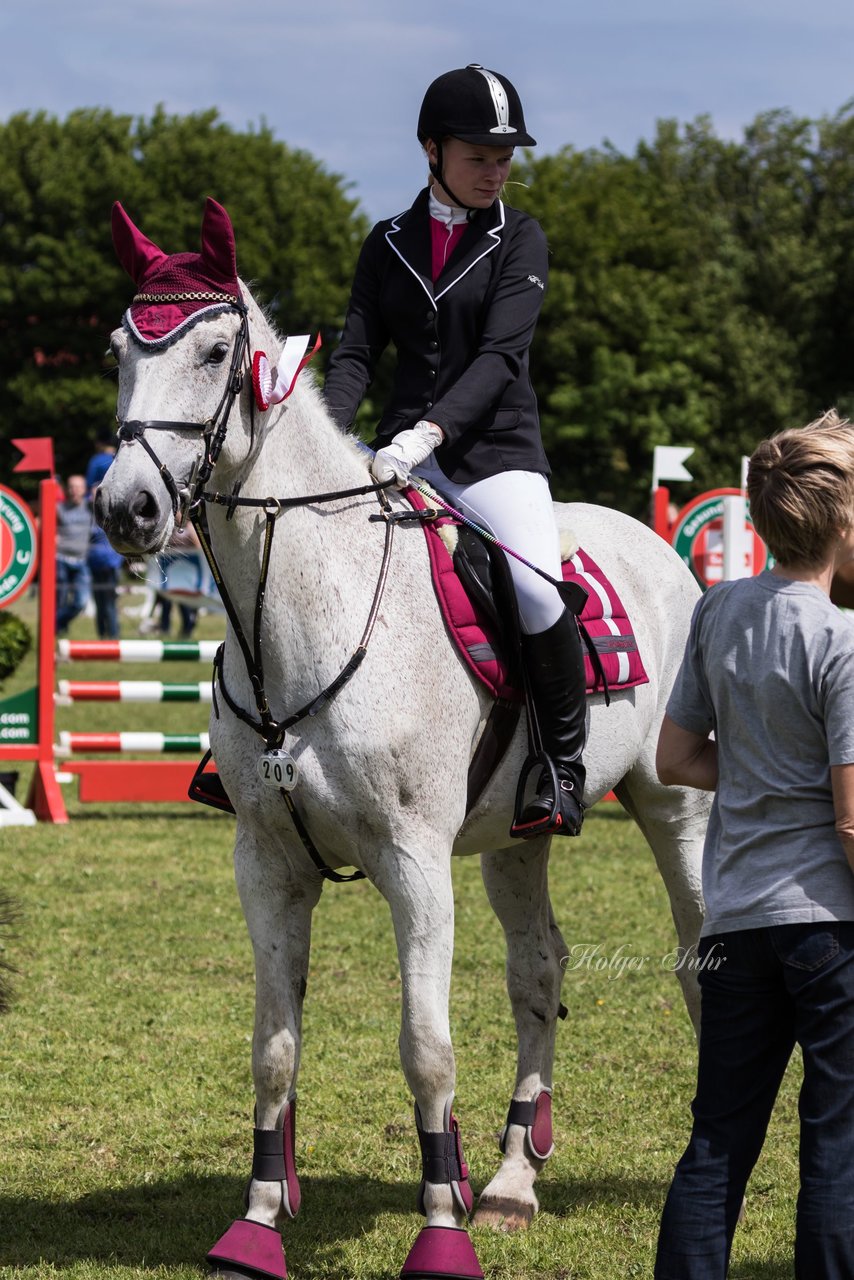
point(136, 252)
point(218, 248)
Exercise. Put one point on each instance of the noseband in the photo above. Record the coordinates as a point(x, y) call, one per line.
point(212, 431)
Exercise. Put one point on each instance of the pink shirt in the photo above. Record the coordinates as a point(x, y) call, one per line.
point(444, 240)
point(447, 224)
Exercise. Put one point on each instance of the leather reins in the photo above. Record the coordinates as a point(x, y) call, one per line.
point(188, 501)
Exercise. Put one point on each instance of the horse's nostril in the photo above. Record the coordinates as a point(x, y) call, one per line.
point(144, 506)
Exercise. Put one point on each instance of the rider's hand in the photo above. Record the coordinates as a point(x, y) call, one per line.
point(407, 450)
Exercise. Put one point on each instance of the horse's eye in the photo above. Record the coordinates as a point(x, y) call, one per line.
point(218, 353)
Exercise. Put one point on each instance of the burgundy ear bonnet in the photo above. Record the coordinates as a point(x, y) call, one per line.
point(175, 290)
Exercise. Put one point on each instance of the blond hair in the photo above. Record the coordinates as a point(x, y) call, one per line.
point(800, 484)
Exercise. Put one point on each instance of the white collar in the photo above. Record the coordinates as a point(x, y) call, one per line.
point(448, 214)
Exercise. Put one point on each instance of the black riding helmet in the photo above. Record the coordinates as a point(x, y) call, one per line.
point(475, 105)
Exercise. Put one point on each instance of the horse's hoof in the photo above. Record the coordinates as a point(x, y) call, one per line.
point(248, 1251)
point(442, 1253)
point(503, 1215)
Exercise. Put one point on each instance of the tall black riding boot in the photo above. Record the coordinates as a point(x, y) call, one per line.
point(554, 661)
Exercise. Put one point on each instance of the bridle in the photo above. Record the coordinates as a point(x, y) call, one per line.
point(188, 501)
point(212, 431)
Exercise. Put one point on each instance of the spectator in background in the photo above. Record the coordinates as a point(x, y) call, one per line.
point(73, 530)
point(104, 564)
point(183, 551)
point(99, 464)
point(103, 561)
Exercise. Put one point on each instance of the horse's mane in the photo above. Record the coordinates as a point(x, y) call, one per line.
point(266, 309)
point(307, 378)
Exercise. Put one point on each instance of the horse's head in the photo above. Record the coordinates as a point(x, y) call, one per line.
point(181, 351)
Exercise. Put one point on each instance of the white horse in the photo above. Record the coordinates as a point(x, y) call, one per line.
point(382, 765)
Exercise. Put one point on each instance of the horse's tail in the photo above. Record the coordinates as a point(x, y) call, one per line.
point(10, 913)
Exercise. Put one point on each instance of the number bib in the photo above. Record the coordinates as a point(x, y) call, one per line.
point(278, 769)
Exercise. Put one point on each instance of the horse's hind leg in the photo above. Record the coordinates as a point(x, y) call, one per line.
point(673, 821)
point(277, 906)
point(516, 881)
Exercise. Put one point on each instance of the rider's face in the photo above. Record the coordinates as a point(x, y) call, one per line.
point(475, 174)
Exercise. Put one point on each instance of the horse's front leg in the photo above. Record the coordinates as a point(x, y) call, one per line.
point(516, 881)
point(419, 892)
point(277, 904)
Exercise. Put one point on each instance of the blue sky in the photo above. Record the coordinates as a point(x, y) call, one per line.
point(344, 78)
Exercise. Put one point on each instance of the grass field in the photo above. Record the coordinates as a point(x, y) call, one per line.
point(125, 1091)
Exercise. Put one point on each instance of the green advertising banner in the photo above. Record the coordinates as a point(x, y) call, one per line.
point(19, 721)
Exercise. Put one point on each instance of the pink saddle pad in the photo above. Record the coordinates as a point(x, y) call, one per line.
point(604, 618)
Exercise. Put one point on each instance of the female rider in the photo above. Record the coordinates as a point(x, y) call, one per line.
point(457, 282)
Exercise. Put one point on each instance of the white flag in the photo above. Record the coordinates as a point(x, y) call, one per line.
point(667, 462)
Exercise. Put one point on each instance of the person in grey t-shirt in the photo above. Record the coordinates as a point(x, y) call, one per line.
point(762, 713)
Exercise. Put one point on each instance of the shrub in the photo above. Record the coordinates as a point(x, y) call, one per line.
point(15, 642)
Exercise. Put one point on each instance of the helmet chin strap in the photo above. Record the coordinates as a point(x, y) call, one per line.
point(436, 170)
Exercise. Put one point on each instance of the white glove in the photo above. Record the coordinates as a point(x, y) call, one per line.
point(407, 450)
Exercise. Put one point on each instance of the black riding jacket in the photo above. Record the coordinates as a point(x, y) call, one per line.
point(462, 345)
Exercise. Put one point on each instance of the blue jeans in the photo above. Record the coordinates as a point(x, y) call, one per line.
point(763, 991)
point(105, 581)
point(72, 591)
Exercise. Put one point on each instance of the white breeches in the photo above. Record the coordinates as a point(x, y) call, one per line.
point(516, 508)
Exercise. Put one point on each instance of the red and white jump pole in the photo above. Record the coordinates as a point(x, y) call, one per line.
point(132, 781)
point(137, 650)
point(131, 691)
point(71, 742)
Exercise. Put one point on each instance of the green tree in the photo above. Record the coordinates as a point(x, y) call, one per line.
point(699, 289)
point(61, 289)
point(699, 294)
point(650, 332)
point(58, 282)
point(829, 341)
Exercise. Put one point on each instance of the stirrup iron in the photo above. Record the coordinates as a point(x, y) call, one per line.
point(553, 822)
